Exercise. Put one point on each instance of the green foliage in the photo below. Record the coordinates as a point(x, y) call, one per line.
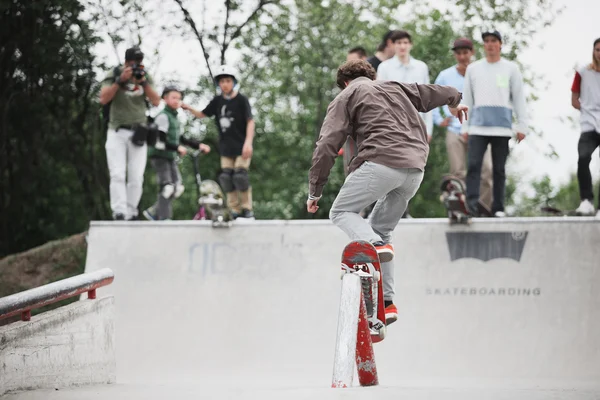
point(291, 84)
point(564, 198)
point(52, 173)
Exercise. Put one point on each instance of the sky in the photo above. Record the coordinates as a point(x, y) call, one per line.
point(555, 52)
point(567, 43)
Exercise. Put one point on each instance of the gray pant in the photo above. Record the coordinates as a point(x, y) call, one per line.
point(392, 188)
point(169, 182)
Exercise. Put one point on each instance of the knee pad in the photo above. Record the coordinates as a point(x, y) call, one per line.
point(167, 191)
point(179, 189)
point(241, 181)
point(226, 180)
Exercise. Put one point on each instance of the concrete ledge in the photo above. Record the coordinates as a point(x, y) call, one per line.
point(325, 222)
point(69, 346)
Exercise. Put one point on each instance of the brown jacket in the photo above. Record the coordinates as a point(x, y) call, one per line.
point(383, 118)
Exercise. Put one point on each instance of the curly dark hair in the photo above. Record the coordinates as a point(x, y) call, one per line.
point(354, 69)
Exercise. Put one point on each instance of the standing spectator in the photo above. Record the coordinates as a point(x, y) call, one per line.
point(456, 145)
point(126, 89)
point(493, 90)
point(233, 116)
point(356, 53)
point(385, 51)
point(163, 155)
point(586, 97)
point(404, 69)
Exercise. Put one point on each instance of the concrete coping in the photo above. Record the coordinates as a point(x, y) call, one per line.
point(325, 222)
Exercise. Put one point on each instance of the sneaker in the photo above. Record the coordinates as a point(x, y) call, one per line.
point(391, 314)
point(385, 251)
point(500, 214)
point(585, 208)
point(149, 214)
point(246, 214)
point(119, 217)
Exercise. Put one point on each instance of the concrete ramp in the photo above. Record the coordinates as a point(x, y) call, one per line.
point(500, 305)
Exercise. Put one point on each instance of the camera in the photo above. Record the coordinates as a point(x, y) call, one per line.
point(138, 71)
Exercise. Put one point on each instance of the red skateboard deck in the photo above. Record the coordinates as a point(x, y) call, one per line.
point(361, 257)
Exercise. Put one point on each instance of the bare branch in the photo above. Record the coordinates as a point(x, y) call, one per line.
point(225, 29)
point(192, 24)
point(238, 31)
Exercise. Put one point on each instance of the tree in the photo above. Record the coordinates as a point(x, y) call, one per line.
point(544, 194)
point(289, 64)
point(53, 177)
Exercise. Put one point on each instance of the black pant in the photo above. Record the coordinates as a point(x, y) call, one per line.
point(586, 146)
point(477, 147)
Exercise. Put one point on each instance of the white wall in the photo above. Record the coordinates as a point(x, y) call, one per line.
point(72, 345)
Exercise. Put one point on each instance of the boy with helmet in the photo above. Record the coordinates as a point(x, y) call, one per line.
point(163, 155)
point(233, 116)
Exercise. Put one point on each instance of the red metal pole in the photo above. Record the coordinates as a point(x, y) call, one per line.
point(92, 294)
point(365, 357)
point(26, 315)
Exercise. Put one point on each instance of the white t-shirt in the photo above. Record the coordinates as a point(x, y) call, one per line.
point(587, 84)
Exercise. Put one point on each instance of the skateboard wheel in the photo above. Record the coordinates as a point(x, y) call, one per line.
point(382, 333)
point(377, 276)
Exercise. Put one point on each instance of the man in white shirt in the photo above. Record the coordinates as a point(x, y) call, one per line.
point(403, 68)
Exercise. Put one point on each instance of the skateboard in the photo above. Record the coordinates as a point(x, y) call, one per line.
point(454, 199)
point(213, 201)
point(210, 199)
point(558, 212)
point(360, 257)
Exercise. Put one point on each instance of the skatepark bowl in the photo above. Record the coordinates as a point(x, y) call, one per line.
point(501, 309)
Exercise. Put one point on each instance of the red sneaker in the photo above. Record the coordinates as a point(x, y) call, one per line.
point(391, 314)
point(384, 251)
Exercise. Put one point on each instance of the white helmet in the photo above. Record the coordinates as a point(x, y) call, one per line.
point(226, 70)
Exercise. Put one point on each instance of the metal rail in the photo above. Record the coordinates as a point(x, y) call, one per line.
point(23, 302)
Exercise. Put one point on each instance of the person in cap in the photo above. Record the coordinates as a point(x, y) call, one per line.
point(495, 93)
point(163, 155)
point(456, 145)
point(126, 88)
point(233, 116)
point(585, 96)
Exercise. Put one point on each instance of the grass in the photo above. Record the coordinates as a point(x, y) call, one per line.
point(48, 263)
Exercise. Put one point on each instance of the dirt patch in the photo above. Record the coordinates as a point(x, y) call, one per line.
point(50, 262)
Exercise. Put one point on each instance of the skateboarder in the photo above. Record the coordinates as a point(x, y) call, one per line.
point(383, 118)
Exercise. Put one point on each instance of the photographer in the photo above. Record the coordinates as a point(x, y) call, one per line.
point(126, 89)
